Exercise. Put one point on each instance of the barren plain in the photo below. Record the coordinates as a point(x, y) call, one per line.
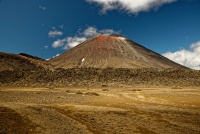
point(103, 110)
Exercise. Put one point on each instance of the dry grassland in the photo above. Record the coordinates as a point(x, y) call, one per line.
point(104, 110)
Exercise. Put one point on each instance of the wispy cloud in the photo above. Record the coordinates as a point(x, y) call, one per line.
point(129, 6)
point(70, 42)
point(92, 31)
point(43, 8)
point(46, 47)
point(54, 33)
point(61, 26)
point(189, 58)
point(54, 56)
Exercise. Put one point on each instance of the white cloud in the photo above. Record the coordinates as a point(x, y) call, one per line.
point(54, 33)
point(108, 31)
point(61, 26)
point(90, 31)
point(59, 43)
point(46, 47)
point(189, 58)
point(130, 6)
point(43, 8)
point(74, 41)
point(53, 28)
point(54, 56)
point(70, 42)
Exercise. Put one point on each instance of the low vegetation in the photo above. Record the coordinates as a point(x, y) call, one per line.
point(90, 77)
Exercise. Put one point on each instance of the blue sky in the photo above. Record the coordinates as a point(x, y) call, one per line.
point(45, 28)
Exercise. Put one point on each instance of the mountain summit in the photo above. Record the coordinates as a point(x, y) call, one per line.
point(111, 51)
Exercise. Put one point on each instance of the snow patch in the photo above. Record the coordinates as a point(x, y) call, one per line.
point(121, 38)
point(83, 60)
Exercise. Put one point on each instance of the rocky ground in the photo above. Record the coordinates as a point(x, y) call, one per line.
point(92, 77)
point(104, 110)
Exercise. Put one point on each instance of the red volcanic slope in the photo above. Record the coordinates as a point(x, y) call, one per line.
point(111, 51)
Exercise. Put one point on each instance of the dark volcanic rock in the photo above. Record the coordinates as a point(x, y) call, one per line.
point(97, 77)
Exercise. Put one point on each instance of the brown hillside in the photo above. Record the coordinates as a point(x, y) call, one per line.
point(30, 56)
point(20, 62)
point(112, 51)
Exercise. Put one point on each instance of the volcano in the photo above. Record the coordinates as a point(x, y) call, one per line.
point(114, 51)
